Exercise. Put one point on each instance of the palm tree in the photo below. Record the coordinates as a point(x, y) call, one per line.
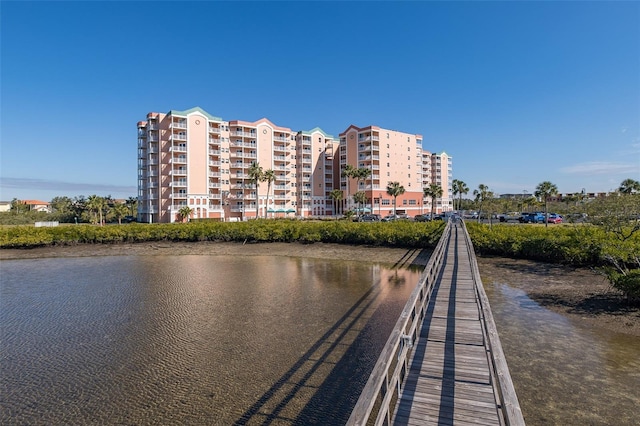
point(394, 189)
point(459, 188)
point(629, 186)
point(348, 172)
point(120, 210)
point(256, 175)
point(269, 176)
point(185, 212)
point(433, 191)
point(132, 202)
point(97, 205)
point(481, 194)
point(361, 174)
point(336, 195)
point(360, 197)
point(545, 190)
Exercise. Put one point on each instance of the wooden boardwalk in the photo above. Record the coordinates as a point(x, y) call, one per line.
point(449, 381)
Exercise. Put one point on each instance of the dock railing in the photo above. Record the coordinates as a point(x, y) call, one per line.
point(383, 387)
point(502, 383)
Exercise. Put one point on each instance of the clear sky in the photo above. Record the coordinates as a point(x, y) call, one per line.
point(517, 92)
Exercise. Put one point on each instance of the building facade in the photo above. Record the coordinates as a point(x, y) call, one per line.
point(192, 158)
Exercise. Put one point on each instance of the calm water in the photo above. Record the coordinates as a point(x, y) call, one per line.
point(191, 339)
point(262, 340)
point(564, 371)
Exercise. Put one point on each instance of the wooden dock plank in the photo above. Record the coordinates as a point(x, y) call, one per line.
point(449, 380)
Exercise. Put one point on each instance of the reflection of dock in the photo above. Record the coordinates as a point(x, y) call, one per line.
point(443, 363)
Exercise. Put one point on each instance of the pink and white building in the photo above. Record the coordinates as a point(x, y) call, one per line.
point(191, 158)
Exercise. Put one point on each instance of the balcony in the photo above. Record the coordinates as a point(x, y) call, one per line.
point(178, 160)
point(243, 134)
point(178, 149)
point(178, 125)
point(178, 183)
point(178, 172)
point(214, 129)
point(281, 138)
point(178, 137)
point(213, 151)
point(213, 174)
point(214, 163)
point(215, 141)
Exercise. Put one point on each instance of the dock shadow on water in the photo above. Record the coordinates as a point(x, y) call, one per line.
point(211, 340)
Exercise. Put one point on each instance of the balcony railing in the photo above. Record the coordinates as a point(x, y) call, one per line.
point(178, 125)
point(244, 134)
point(214, 129)
point(178, 149)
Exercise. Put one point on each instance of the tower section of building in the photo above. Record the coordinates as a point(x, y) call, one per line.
point(389, 156)
point(314, 172)
point(438, 169)
point(184, 153)
point(270, 147)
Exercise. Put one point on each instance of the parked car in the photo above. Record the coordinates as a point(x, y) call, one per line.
point(368, 218)
point(554, 218)
point(422, 217)
point(506, 217)
point(536, 217)
point(390, 218)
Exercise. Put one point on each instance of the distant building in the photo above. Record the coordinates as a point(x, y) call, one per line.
point(37, 205)
point(192, 158)
point(5, 206)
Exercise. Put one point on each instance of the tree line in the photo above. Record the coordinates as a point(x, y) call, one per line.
point(93, 209)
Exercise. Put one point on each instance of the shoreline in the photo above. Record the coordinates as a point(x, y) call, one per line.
point(577, 293)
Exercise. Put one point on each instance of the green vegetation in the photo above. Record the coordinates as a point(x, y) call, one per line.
point(400, 234)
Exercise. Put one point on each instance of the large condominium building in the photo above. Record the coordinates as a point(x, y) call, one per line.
point(392, 156)
point(191, 158)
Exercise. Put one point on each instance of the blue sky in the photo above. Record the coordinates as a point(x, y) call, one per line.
point(517, 92)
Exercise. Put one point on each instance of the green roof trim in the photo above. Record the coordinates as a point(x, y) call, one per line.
point(195, 109)
point(314, 130)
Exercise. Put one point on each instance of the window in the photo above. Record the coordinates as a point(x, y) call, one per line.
point(388, 165)
point(386, 202)
point(387, 155)
point(387, 138)
point(412, 202)
point(388, 174)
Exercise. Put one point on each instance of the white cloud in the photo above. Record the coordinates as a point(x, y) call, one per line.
point(601, 168)
point(53, 185)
